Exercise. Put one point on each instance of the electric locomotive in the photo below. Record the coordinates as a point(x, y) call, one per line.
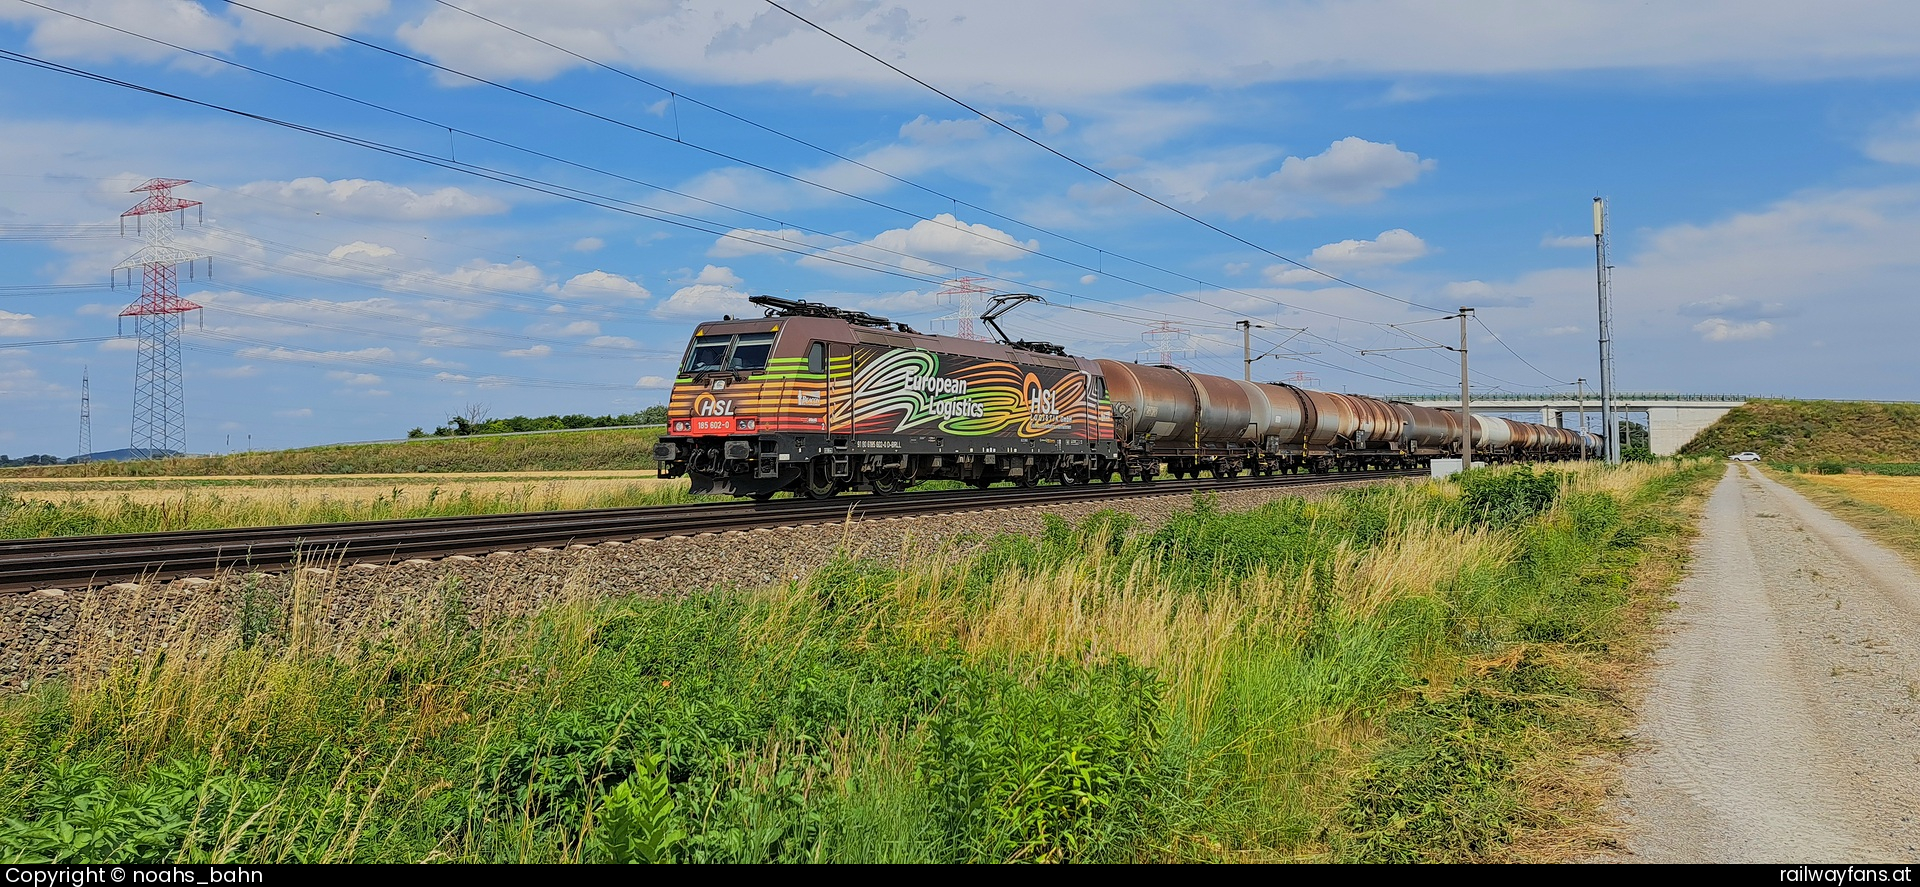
point(817, 400)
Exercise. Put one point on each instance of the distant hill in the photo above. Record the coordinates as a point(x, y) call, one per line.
point(1814, 431)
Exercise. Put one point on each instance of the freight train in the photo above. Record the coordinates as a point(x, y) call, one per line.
point(817, 400)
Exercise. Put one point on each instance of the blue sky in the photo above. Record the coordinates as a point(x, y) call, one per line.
point(1762, 161)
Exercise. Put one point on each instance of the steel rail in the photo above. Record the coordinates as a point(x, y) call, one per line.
point(76, 561)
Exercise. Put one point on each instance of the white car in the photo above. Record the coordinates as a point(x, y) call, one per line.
point(1746, 457)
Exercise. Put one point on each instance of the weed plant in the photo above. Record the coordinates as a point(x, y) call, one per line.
point(1363, 676)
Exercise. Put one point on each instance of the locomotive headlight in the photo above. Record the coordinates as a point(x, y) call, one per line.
point(682, 425)
point(747, 424)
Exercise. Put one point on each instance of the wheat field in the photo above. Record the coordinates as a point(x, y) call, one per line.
point(1902, 494)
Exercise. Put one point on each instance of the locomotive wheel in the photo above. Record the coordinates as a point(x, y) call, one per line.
point(886, 483)
point(819, 483)
point(1026, 480)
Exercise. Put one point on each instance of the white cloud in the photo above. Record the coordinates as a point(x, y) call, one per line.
point(451, 377)
point(598, 285)
point(1351, 171)
point(1716, 329)
point(187, 24)
point(1569, 241)
point(612, 342)
point(1393, 247)
point(361, 249)
point(588, 244)
point(1896, 141)
point(712, 293)
point(351, 378)
point(12, 324)
point(653, 382)
point(514, 276)
point(373, 199)
point(920, 247)
point(537, 351)
point(1089, 279)
point(717, 275)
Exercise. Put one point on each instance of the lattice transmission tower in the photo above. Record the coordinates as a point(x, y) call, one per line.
point(968, 298)
point(86, 418)
point(159, 384)
point(1167, 345)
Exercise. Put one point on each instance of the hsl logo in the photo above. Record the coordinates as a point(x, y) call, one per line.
point(708, 405)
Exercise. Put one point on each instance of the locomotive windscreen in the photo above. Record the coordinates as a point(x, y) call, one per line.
point(745, 352)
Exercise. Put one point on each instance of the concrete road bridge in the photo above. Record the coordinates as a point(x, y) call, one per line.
point(1671, 419)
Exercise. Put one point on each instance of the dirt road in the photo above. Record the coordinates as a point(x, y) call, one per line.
point(1781, 720)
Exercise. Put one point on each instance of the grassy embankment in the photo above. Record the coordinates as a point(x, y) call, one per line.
point(1401, 672)
point(1853, 459)
point(1811, 432)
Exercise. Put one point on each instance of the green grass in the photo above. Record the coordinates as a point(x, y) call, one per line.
point(23, 517)
point(1366, 676)
point(630, 449)
point(1811, 431)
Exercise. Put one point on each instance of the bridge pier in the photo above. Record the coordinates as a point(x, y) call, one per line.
point(1669, 428)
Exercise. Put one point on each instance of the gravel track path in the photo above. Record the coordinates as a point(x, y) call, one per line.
point(1780, 724)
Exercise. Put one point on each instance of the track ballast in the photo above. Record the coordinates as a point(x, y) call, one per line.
point(83, 561)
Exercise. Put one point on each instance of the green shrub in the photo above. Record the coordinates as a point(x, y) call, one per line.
point(1059, 769)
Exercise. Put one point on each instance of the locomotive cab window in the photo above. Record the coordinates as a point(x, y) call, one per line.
point(817, 358)
point(750, 352)
point(707, 354)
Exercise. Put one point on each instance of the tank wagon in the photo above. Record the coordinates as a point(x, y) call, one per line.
point(817, 400)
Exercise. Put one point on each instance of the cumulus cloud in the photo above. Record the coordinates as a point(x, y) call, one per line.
point(1719, 329)
point(712, 293)
point(588, 244)
point(12, 324)
point(1393, 247)
point(536, 352)
point(361, 249)
point(653, 382)
point(515, 276)
point(612, 342)
point(1569, 241)
point(374, 199)
point(599, 285)
point(1351, 171)
point(921, 247)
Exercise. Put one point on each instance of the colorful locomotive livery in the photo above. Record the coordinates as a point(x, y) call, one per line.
point(816, 400)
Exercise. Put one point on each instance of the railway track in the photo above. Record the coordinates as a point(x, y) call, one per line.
point(81, 561)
